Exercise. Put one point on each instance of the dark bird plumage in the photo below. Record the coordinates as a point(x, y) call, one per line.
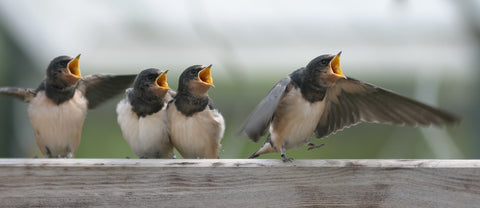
point(142, 115)
point(320, 99)
point(58, 106)
point(196, 127)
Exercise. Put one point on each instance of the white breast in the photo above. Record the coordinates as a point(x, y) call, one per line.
point(196, 136)
point(147, 136)
point(295, 120)
point(58, 127)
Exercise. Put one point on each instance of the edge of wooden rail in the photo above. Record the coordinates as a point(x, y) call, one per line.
point(370, 163)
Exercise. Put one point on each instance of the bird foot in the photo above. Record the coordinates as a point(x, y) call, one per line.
point(286, 159)
point(314, 146)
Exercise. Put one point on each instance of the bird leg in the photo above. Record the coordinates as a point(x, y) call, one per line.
point(254, 155)
point(314, 146)
point(284, 156)
point(69, 153)
point(48, 152)
point(266, 148)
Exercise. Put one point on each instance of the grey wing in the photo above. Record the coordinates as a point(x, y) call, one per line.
point(352, 101)
point(260, 118)
point(101, 87)
point(24, 94)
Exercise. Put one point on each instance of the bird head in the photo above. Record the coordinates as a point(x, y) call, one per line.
point(64, 71)
point(152, 82)
point(196, 80)
point(325, 68)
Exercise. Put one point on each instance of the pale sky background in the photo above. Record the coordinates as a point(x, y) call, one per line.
point(257, 36)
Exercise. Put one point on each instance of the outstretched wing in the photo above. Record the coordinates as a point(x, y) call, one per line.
point(260, 118)
point(352, 101)
point(101, 87)
point(24, 94)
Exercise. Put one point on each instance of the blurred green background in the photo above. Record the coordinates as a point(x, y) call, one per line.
point(426, 50)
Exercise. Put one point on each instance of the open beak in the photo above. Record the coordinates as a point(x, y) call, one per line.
point(335, 65)
point(162, 81)
point(205, 76)
point(74, 68)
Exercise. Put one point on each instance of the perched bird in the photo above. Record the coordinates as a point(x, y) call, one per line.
point(320, 98)
point(142, 115)
point(196, 127)
point(59, 105)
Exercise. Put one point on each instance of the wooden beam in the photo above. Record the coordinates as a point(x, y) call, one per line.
point(238, 183)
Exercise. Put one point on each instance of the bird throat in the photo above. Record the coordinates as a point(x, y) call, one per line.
point(144, 105)
point(59, 94)
point(189, 105)
point(310, 88)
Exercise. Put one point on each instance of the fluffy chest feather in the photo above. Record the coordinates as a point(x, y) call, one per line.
point(295, 120)
point(147, 136)
point(57, 127)
point(196, 136)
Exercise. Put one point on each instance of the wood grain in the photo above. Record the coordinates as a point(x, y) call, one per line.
point(238, 183)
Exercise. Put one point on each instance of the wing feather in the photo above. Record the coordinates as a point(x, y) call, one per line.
point(24, 94)
point(260, 118)
point(101, 87)
point(352, 101)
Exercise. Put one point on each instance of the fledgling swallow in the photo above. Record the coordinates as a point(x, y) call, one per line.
point(196, 127)
point(57, 108)
point(142, 115)
point(320, 98)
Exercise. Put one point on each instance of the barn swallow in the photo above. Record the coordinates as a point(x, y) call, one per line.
point(142, 115)
point(57, 108)
point(320, 98)
point(196, 127)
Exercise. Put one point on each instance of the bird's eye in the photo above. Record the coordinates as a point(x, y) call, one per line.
point(62, 64)
point(151, 77)
point(324, 61)
point(192, 72)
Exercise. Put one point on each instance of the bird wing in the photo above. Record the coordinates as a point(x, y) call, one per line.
point(258, 121)
point(351, 101)
point(24, 94)
point(101, 87)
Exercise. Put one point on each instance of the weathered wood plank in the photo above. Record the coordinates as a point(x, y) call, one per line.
point(239, 183)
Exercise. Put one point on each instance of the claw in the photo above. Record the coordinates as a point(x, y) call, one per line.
point(283, 151)
point(286, 159)
point(314, 146)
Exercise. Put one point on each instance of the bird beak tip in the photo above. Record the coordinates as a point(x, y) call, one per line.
point(206, 76)
point(162, 80)
point(74, 67)
point(335, 65)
